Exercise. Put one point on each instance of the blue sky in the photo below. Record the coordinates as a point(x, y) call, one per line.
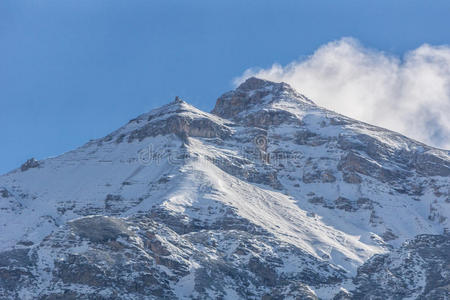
point(75, 70)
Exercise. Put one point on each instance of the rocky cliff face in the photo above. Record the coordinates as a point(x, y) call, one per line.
point(267, 197)
point(420, 269)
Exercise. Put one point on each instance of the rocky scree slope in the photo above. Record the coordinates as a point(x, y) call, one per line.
point(268, 196)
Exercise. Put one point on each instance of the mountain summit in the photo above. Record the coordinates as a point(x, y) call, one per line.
point(269, 196)
point(257, 94)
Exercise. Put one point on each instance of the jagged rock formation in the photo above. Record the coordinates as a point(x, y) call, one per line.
point(31, 163)
point(420, 269)
point(268, 197)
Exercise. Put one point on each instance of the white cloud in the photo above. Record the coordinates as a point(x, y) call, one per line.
point(410, 95)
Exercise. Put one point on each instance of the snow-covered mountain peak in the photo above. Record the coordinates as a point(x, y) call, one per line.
point(178, 100)
point(177, 117)
point(256, 95)
point(176, 107)
point(268, 195)
point(254, 83)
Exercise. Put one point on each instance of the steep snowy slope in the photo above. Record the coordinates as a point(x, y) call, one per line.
point(267, 195)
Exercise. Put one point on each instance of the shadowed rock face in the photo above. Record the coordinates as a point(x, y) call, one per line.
point(431, 165)
point(422, 159)
point(181, 126)
point(251, 93)
point(29, 164)
point(4, 193)
point(100, 228)
point(112, 260)
point(178, 118)
point(13, 269)
point(420, 269)
point(353, 163)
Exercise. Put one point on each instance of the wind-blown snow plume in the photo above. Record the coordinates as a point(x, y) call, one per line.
point(410, 95)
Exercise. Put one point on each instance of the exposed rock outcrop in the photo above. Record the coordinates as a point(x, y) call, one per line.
point(420, 269)
point(29, 164)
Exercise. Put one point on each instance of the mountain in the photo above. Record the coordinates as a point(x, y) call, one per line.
point(418, 270)
point(269, 196)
